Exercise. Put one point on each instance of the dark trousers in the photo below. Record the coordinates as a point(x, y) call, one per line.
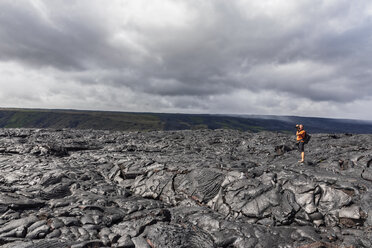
point(301, 146)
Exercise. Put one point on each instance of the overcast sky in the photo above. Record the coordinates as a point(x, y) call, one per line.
point(292, 57)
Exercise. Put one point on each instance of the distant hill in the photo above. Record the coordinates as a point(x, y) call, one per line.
point(123, 121)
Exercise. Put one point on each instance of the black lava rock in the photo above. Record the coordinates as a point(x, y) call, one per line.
point(200, 188)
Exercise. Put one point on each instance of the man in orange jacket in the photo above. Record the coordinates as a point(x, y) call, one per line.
point(300, 141)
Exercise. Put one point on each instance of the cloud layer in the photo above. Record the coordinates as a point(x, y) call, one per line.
point(307, 57)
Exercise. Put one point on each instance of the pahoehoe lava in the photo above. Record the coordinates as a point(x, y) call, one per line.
point(191, 188)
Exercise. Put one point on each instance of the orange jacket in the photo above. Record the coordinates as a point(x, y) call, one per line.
point(300, 135)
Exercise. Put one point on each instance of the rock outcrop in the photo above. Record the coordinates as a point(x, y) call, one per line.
point(201, 188)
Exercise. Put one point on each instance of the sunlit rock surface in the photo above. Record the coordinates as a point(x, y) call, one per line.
point(203, 188)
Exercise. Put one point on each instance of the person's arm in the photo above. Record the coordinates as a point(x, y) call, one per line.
point(302, 134)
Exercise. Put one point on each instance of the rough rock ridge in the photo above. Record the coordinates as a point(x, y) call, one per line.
point(201, 188)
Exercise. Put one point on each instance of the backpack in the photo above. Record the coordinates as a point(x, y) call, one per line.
point(307, 138)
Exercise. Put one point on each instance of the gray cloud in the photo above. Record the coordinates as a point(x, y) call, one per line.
point(216, 56)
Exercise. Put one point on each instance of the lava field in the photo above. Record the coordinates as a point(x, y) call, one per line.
point(192, 188)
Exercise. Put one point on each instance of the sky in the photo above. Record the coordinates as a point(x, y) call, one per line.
point(267, 57)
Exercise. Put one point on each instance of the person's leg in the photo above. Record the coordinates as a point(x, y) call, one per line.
point(302, 156)
point(302, 150)
point(298, 145)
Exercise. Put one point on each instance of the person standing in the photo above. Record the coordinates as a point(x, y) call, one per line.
point(300, 141)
